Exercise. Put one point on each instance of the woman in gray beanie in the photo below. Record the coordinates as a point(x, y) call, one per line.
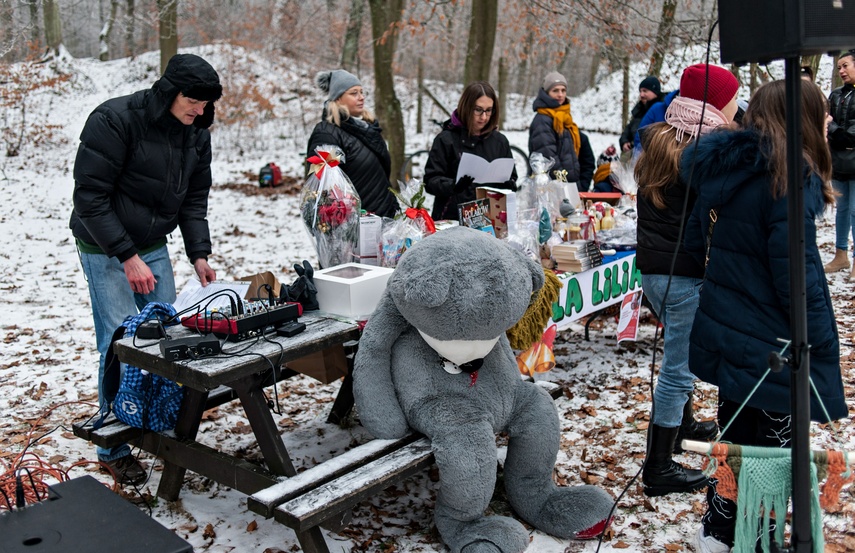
point(347, 124)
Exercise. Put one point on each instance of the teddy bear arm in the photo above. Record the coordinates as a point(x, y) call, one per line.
point(373, 389)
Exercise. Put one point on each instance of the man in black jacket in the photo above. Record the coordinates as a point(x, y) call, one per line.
point(143, 168)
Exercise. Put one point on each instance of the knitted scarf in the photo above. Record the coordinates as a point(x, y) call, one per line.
point(684, 114)
point(563, 121)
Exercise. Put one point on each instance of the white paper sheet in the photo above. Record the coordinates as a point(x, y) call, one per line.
point(483, 171)
point(193, 293)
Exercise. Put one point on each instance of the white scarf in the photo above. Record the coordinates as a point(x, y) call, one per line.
point(684, 114)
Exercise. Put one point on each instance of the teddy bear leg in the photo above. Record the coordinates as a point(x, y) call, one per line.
point(465, 452)
point(572, 512)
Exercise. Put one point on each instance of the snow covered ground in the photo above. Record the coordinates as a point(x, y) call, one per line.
point(48, 359)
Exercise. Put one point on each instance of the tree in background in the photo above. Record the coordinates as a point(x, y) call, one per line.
point(385, 20)
point(130, 45)
point(167, 11)
point(663, 37)
point(53, 27)
point(104, 37)
point(482, 38)
point(350, 51)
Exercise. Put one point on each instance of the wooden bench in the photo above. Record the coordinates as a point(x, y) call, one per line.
point(113, 432)
point(324, 495)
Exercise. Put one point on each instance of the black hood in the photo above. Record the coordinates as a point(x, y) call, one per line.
point(195, 78)
point(723, 162)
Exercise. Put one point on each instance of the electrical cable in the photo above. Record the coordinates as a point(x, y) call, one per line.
point(674, 256)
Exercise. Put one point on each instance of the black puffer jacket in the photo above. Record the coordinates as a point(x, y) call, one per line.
point(140, 172)
point(636, 115)
point(366, 160)
point(841, 132)
point(658, 230)
point(543, 139)
point(444, 158)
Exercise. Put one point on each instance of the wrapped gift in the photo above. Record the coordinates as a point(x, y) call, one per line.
point(330, 208)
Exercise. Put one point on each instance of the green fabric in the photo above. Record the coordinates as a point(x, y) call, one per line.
point(765, 484)
point(86, 247)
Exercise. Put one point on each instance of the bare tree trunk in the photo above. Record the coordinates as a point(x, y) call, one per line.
point(624, 105)
point(384, 15)
point(53, 26)
point(6, 22)
point(663, 37)
point(752, 82)
point(350, 51)
point(595, 68)
point(130, 24)
point(167, 12)
point(502, 86)
point(104, 37)
point(420, 95)
point(35, 36)
point(813, 63)
point(482, 37)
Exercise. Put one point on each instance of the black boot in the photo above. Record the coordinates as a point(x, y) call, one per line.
point(661, 475)
point(690, 429)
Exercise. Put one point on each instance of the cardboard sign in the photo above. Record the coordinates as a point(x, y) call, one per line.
point(630, 311)
point(583, 293)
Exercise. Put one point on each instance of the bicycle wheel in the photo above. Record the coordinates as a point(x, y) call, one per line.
point(521, 160)
point(414, 166)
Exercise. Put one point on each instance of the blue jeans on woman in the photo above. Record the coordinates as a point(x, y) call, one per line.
point(676, 382)
point(113, 300)
point(845, 218)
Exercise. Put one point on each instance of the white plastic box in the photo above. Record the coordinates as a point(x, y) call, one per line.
point(352, 289)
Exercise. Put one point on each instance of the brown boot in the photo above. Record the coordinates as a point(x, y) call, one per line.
point(839, 263)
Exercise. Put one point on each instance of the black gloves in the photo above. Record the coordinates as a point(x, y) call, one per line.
point(463, 184)
point(303, 290)
point(508, 185)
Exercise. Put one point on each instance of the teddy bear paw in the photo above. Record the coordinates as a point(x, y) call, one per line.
point(492, 534)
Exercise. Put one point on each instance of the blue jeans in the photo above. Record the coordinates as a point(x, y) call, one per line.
point(845, 218)
point(676, 382)
point(113, 300)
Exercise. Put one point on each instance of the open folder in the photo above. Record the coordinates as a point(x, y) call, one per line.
point(483, 171)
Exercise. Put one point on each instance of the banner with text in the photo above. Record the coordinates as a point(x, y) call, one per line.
point(584, 293)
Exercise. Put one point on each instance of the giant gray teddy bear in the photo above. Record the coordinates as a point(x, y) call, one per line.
point(434, 359)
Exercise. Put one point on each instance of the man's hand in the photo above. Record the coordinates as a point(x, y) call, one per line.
point(204, 271)
point(139, 276)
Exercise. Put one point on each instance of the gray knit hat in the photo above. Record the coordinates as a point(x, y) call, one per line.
point(552, 80)
point(336, 82)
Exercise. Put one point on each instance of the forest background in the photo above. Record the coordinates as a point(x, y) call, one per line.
point(511, 43)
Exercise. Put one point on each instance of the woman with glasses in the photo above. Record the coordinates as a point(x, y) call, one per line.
point(472, 129)
point(347, 124)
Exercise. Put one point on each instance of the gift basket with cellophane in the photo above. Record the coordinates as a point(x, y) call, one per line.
point(330, 206)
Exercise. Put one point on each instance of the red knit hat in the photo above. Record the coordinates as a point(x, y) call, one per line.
point(722, 84)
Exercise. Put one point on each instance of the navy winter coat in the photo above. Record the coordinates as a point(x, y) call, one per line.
point(542, 138)
point(745, 299)
point(140, 173)
point(366, 160)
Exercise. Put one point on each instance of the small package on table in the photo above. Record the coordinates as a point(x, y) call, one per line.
point(326, 366)
point(370, 232)
point(502, 208)
point(352, 289)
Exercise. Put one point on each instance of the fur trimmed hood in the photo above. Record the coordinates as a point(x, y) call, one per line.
point(723, 162)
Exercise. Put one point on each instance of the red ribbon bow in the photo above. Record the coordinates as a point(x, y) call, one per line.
point(321, 160)
point(415, 213)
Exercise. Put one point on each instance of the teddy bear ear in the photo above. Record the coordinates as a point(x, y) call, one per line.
point(426, 287)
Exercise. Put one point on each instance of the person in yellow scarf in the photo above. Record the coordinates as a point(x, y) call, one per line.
point(554, 134)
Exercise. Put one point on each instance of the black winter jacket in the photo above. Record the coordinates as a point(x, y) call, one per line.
point(366, 160)
point(587, 164)
point(444, 158)
point(658, 231)
point(841, 132)
point(140, 173)
point(745, 298)
point(636, 115)
point(542, 138)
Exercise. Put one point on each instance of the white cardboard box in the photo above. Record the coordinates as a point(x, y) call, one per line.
point(351, 289)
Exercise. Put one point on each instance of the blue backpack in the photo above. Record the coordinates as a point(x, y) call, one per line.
point(138, 398)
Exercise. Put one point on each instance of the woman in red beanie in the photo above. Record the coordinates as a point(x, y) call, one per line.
point(671, 279)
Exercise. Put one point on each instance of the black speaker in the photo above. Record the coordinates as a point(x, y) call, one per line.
point(764, 30)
